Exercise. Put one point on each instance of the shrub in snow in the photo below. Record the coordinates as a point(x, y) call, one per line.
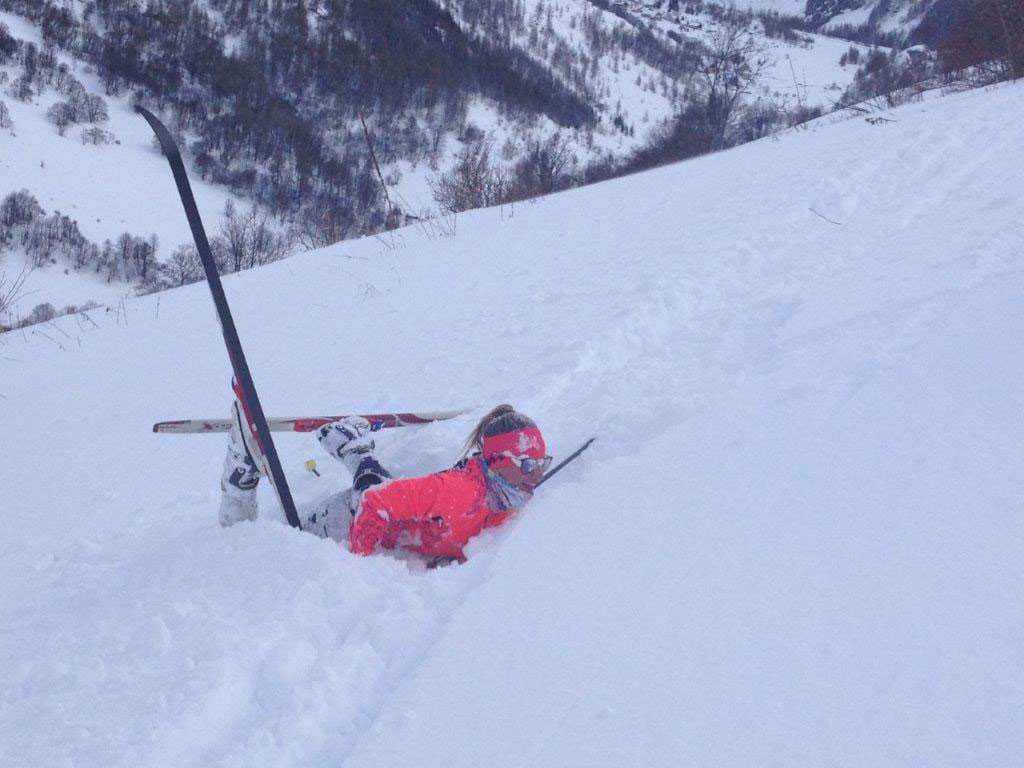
point(247, 240)
point(18, 209)
point(8, 45)
point(41, 313)
point(72, 90)
point(317, 228)
point(61, 115)
point(81, 107)
point(688, 134)
point(852, 56)
point(545, 167)
point(182, 268)
point(90, 108)
point(21, 88)
point(96, 136)
point(759, 120)
point(128, 258)
point(763, 119)
point(474, 181)
point(63, 80)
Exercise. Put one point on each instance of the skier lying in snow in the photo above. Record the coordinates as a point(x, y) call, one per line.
point(435, 515)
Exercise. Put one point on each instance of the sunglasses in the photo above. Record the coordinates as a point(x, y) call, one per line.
point(528, 466)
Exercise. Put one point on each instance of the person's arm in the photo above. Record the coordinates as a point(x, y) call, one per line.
point(396, 501)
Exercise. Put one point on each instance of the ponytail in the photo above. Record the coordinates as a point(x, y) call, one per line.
point(475, 441)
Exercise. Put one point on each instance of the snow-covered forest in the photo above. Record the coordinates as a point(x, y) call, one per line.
point(309, 122)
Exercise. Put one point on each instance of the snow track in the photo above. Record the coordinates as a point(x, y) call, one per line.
point(796, 541)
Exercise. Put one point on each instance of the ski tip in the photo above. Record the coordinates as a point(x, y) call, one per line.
point(162, 134)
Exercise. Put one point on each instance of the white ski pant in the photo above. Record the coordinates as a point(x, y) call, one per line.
point(331, 518)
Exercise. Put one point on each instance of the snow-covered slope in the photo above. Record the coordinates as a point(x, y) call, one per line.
point(797, 541)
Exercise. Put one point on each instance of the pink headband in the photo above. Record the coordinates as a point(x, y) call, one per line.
point(521, 443)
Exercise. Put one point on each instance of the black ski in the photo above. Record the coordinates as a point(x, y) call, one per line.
point(245, 389)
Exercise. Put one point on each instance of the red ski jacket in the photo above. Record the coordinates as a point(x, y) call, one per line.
point(434, 515)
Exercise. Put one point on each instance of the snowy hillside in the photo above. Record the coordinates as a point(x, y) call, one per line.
point(97, 186)
point(634, 75)
point(796, 542)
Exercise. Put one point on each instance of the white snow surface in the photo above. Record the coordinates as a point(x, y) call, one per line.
point(796, 541)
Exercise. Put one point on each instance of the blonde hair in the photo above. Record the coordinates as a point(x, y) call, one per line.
point(475, 441)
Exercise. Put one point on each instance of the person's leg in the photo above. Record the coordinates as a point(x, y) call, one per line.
point(349, 441)
point(332, 517)
point(238, 480)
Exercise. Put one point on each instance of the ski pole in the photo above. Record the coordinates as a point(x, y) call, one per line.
point(571, 456)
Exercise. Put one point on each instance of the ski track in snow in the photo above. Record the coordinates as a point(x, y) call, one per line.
point(790, 544)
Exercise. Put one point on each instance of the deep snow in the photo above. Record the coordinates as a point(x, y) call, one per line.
point(796, 541)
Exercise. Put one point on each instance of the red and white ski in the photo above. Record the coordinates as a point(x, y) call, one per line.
point(307, 423)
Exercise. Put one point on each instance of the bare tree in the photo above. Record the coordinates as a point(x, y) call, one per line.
point(21, 88)
point(123, 253)
point(544, 168)
point(232, 246)
point(267, 244)
point(94, 109)
point(61, 115)
point(316, 229)
point(96, 136)
point(729, 70)
point(144, 255)
point(247, 240)
point(474, 182)
point(183, 267)
point(19, 209)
